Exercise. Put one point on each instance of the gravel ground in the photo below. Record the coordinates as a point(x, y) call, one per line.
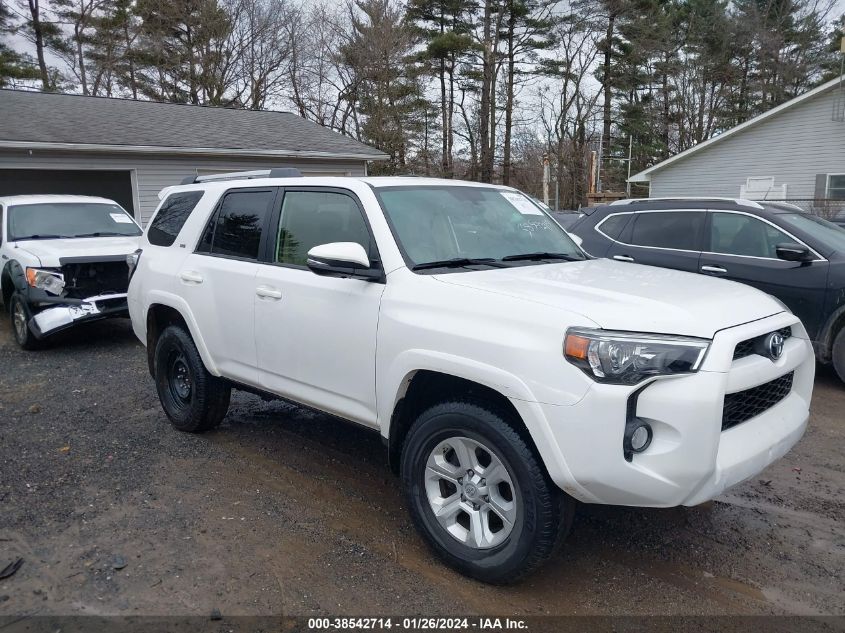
point(285, 511)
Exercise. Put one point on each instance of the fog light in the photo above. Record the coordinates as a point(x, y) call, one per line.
point(640, 438)
point(637, 438)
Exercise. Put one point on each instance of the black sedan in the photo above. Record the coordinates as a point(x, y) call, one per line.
point(795, 256)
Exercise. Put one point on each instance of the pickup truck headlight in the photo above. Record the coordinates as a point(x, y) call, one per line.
point(626, 358)
point(49, 280)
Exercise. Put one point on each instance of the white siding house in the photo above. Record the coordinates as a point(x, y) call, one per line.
point(129, 150)
point(793, 152)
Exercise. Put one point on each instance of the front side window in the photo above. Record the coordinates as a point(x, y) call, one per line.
point(439, 223)
point(311, 218)
point(236, 228)
point(836, 187)
point(55, 220)
point(171, 217)
point(831, 235)
point(677, 230)
point(738, 234)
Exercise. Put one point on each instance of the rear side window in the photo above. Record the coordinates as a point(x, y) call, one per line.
point(171, 217)
point(235, 230)
point(613, 225)
point(677, 230)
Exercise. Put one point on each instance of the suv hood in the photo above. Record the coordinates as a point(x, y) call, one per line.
point(49, 252)
point(632, 297)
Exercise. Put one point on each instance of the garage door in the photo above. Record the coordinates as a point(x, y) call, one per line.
point(115, 185)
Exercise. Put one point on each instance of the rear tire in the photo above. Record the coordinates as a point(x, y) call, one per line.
point(508, 520)
point(839, 354)
point(193, 399)
point(19, 318)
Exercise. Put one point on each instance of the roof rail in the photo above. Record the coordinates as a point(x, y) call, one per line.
point(739, 201)
point(278, 172)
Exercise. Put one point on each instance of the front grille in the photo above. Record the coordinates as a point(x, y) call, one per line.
point(744, 405)
point(750, 347)
point(86, 279)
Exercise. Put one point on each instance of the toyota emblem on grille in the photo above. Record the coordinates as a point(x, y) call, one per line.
point(774, 345)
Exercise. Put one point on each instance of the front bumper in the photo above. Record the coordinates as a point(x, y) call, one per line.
point(70, 313)
point(691, 459)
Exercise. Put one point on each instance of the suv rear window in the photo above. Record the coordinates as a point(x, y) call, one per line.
point(236, 228)
point(171, 217)
point(678, 230)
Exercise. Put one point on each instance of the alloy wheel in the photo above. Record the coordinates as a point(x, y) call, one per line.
point(471, 492)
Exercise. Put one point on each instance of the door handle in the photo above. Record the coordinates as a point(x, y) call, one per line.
point(267, 292)
point(623, 258)
point(714, 269)
point(191, 277)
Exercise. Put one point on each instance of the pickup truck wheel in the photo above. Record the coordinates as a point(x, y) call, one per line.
point(479, 495)
point(194, 400)
point(19, 317)
point(839, 354)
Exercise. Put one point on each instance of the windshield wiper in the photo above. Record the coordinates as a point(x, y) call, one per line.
point(101, 234)
point(39, 236)
point(457, 262)
point(535, 256)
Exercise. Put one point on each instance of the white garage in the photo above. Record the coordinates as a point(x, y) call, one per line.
point(129, 150)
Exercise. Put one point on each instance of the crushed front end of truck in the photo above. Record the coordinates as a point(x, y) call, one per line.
point(80, 290)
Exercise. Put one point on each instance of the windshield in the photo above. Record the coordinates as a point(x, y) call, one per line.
point(828, 233)
point(56, 220)
point(442, 223)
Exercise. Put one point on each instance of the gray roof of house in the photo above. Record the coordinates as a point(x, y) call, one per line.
point(59, 120)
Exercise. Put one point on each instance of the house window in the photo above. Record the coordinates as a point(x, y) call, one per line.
point(836, 187)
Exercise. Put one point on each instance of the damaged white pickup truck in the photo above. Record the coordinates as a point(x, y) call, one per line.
point(63, 262)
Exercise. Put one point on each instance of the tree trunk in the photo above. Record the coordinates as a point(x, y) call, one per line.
point(607, 84)
point(38, 32)
point(77, 32)
point(506, 159)
point(486, 96)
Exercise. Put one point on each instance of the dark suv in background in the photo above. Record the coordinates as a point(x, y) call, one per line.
point(776, 247)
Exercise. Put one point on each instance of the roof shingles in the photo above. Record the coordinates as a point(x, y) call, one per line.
point(37, 117)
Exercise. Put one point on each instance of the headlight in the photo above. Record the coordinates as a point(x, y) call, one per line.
point(626, 358)
point(48, 280)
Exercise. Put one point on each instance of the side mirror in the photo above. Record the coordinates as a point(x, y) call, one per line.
point(792, 252)
point(342, 259)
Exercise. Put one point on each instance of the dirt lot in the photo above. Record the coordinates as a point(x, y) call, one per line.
point(285, 511)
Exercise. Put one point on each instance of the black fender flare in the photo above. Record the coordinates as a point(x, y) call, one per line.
point(14, 273)
point(829, 332)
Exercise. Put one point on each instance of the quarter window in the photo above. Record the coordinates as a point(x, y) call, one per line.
point(738, 234)
point(678, 230)
point(236, 228)
point(311, 218)
point(171, 217)
point(612, 226)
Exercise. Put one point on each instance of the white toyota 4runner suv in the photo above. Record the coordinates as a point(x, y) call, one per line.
point(63, 262)
point(508, 373)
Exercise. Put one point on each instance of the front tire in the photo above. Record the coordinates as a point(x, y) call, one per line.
point(838, 354)
point(193, 399)
point(479, 495)
point(19, 319)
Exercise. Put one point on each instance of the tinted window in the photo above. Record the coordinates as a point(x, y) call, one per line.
point(830, 234)
point(737, 234)
point(672, 229)
point(171, 217)
point(238, 224)
point(613, 225)
point(311, 218)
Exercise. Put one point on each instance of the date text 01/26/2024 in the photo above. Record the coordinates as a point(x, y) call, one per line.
point(418, 624)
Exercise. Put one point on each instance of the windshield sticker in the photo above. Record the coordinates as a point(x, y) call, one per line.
point(522, 204)
point(121, 218)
